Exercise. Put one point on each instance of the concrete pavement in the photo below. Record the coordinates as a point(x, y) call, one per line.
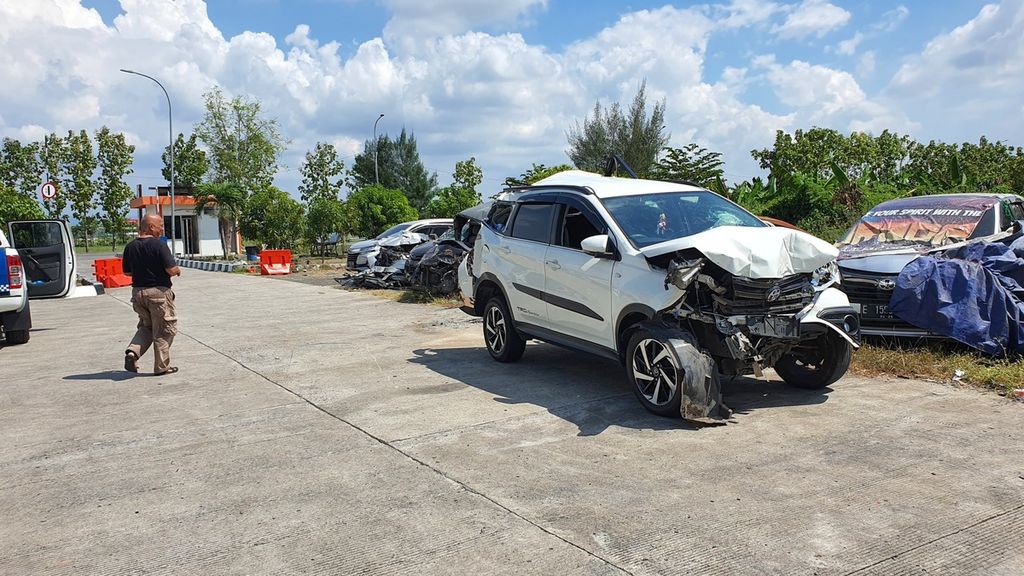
point(313, 430)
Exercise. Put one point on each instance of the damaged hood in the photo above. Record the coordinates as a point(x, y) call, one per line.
point(754, 252)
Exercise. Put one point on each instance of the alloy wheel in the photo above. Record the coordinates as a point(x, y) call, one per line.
point(496, 330)
point(654, 371)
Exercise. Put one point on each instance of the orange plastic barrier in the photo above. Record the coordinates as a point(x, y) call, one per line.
point(110, 273)
point(275, 262)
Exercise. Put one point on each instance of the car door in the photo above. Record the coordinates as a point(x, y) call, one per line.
point(48, 255)
point(518, 259)
point(578, 285)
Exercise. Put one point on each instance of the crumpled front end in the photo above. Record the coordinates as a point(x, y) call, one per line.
point(746, 311)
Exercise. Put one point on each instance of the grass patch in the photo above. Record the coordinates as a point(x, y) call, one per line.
point(938, 361)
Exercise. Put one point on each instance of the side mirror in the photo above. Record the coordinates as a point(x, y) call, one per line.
point(599, 246)
point(1018, 226)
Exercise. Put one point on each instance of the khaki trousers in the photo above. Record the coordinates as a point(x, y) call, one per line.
point(158, 324)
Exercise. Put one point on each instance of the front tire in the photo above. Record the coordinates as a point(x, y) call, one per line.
point(503, 341)
point(815, 364)
point(654, 373)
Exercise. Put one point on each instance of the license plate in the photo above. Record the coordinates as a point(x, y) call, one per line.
point(774, 326)
point(876, 311)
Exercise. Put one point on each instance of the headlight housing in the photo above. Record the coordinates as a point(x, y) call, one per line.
point(825, 276)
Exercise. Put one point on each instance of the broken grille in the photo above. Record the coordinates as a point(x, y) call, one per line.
point(774, 296)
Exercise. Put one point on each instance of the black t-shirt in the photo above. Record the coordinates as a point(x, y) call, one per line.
point(147, 260)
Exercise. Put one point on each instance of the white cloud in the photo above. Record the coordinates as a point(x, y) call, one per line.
point(866, 64)
point(892, 19)
point(849, 47)
point(743, 13)
point(964, 79)
point(822, 96)
point(812, 17)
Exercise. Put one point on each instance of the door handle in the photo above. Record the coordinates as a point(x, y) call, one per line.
point(504, 249)
point(554, 264)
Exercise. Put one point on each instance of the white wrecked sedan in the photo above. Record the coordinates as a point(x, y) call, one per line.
point(674, 281)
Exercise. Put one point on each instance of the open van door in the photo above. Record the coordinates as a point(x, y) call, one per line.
point(48, 255)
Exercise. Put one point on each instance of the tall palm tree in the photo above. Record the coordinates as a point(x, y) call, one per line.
point(226, 200)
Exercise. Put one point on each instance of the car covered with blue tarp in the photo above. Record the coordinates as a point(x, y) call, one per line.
point(972, 292)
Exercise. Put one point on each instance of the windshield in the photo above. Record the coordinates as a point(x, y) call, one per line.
point(397, 229)
point(649, 219)
point(919, 221)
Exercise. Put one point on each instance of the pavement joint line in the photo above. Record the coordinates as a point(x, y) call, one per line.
point(936, 539)
point(552, 411)
point(409, 456)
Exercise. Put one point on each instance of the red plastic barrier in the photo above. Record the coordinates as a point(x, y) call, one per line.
point(275, 262)
point(110, 273)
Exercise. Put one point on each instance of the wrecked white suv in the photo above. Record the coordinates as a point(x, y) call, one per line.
point(676, 282)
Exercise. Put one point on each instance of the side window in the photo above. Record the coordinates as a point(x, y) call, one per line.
point(1017, 210)
point(575, 226)
point(533, 222)
point(497, 217)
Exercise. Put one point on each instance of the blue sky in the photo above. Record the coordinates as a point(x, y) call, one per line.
point(502, 80)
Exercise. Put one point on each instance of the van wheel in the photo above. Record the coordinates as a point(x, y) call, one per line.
point(16, 336)
point(652, 369)
point(815, 364)
point(504, 342)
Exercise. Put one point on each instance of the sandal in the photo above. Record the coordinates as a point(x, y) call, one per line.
point(131, 361)
point(170, 370)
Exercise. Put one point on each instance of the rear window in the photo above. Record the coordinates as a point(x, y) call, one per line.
point(533, 222)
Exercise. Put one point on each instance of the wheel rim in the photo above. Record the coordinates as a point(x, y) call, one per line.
point(495, 330)
point(654, 371)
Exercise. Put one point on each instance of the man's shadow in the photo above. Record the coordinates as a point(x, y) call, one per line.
point(112, 375)
point(591, 392)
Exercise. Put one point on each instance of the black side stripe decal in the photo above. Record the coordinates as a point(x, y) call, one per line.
point(565, 303)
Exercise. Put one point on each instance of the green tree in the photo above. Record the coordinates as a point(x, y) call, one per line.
point(78, 168)
point(17, 206)
point(691, 163)
point(52, 157)
point(634, 136)
point(462, 193)
point(398, 166)
point(115, 157)
point(190, 162)
point(20, 169)
point(325, 216)
point(273, 218)
point(225, 200)
point(244, 146)
point(374, 209)
point(535, 173)
point(321, 174)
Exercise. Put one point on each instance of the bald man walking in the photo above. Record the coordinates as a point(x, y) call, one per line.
point(149, 262)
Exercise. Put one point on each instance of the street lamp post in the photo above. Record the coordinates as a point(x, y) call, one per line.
point(170, 133)
point(376, 175)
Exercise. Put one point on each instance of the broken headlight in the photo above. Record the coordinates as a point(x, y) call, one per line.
point(825, 276)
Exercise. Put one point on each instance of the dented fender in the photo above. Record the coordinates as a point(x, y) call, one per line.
point(701, 387)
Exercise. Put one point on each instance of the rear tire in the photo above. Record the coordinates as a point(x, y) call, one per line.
point(817, 363)
point(503, 341)
point(654, 373)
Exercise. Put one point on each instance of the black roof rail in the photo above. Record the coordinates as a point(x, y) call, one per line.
point(549, 187)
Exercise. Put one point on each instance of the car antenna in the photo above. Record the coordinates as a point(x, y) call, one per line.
point(613, 162)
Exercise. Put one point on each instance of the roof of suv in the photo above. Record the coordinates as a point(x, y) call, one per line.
point(429, 221)
point(609, 186)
